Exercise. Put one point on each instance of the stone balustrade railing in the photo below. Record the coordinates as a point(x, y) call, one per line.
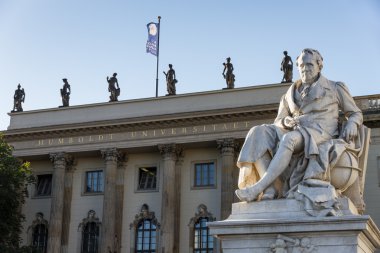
point(371, 102)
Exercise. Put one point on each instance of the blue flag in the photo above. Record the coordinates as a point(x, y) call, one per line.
point(151, 44)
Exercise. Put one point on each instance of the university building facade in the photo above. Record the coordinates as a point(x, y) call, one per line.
point(146, 175)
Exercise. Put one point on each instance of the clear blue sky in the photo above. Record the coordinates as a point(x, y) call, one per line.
point(43, 41)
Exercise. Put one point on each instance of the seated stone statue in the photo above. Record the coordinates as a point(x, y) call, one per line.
point(295, 156)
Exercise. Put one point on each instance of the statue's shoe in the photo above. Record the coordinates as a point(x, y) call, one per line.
point(269, 193)
point(248, 194)
point(314, 170)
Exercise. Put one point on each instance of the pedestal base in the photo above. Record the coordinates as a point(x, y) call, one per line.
point(283, 226)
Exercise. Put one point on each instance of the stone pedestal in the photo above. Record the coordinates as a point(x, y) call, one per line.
point(283, 226)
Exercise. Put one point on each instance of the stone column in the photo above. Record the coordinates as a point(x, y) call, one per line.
point(168, 202)
point(60, 161)
point(67, 204)
point(227, 149)
point(119, 200)
point(108, 231)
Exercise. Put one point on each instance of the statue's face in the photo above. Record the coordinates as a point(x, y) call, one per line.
point(308, 68)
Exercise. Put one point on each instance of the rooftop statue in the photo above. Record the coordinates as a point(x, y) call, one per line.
point(287, 68)
point(18, 98)
point(170, 80)
point(305, 154)
point(228, 73)
point(113, 87)
point(65, 93)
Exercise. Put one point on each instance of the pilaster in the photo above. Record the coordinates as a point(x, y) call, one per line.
point(122, 164)
point(177, 211)
point(68, 193)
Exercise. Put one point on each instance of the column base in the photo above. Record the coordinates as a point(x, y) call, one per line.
point(283, 226)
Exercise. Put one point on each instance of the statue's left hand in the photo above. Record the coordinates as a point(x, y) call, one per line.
point(350, 131)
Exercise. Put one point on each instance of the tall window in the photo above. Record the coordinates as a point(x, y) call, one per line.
point(204, 174)
point(90, 233)
point(39, 233)
point(94, 181)
point(200, 238)
point(145, 228)
point(203, 241)
point(146, 236)
point(44, 185)
point(147, 178)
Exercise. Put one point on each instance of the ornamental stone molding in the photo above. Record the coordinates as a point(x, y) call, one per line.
point(39, 220)
point(202, 213)
point(91, 217)
point(285, 243)
point(62, 159)
point(228, 146)
point(111, 154)
point(144, 215)
point(168, 151)
point(180, 154)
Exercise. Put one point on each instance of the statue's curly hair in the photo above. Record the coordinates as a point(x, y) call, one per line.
point(315, 53)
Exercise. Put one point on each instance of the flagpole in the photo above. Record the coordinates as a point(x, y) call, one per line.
point(158, 53)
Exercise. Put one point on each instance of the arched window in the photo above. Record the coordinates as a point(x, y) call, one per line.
point(200, 238)
point(39, 230)
point(145, 231)
point(145, 236)
point(90, 233)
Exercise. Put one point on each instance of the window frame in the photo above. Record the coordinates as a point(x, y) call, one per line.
point(85, 179)
point(143, 215)
point(46, 235)
point(193, 175)
point(90, 219)
point(137, 178)
point(202, 213)
point(38, 222)
point(152, 229)
point(35, 191)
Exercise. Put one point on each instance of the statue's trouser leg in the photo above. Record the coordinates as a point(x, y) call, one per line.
point(254, 157)
point(290, 143)
point(247, 175)
point(261, 166)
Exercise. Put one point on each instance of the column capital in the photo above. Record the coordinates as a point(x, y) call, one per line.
point(63, 159)
point(168, 151)
point(180, 155)
point(227, 146)
point(112, 154)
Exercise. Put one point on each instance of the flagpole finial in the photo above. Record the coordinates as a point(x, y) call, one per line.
point(159, 17)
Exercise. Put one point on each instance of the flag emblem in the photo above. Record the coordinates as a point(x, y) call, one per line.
point(151, 44)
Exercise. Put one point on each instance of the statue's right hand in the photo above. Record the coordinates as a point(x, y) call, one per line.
point(289, 122)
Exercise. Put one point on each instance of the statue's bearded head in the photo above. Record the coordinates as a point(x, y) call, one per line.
point(310, 64)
